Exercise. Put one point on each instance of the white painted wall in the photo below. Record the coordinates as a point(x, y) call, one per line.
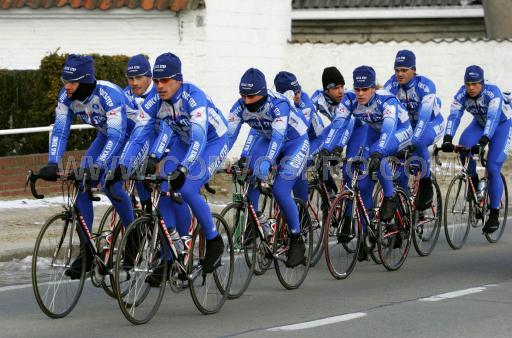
point(219, 43)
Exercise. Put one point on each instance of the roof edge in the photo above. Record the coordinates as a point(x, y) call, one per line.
point(388, 13)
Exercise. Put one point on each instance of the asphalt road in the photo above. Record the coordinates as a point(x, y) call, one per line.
point(464, 293)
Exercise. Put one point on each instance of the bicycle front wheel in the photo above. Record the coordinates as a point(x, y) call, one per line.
point(341, 250)
point(210, 290)
point(141, 270)
point(292, 277)
point(427, 223)
point(244, 247)
point(318, 207)
point(394, 237)
point(457, 212)
point(495, 236)
point(57, 246)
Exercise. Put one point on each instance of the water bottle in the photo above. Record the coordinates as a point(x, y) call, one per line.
point(178, 243)
point(482, 186)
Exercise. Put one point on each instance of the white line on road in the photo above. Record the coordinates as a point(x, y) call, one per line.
point(14, 287)
point(454, 294)
point(319, 322)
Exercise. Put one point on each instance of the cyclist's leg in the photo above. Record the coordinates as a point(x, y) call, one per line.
point(498, 151)
point(352, 148)
point(258, 150)
point(300, 188)
point(293, 157)
point(469, 138)
point(84, 203)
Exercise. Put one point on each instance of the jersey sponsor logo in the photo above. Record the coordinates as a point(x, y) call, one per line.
point(163, 143)
point(151, 102)
point(112, 112)
point(298, 160)
point(106, 97)
point(54, 145)
point(189, 99)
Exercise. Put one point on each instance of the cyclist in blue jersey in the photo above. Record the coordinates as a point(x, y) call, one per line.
point(327, 101)
point(418, 95)
point(195, 131)
point(389, 131)
point(103, 105)
point(278, 135)
point(287, 84)
point(140, 85)
point(491, 126)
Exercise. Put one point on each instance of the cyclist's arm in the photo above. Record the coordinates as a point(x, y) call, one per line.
point(493, 113)
point(389, 125)
point(60, 131)
point(456, 110)
point(196, 104)
point(116, 132)
point(249, 143)
point(234, 122)
point(279, 125)
point(340, 122)
point(424, 114)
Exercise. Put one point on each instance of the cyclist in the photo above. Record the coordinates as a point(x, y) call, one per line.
point(196, 133)
point(140, 85)
point(389, 131)
point(287, 84)
point(491, 126)
point(278, 134)
point(326, 101)
point(103, 105)
point(418, 95)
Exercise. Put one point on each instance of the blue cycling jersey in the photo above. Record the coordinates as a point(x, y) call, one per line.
point(383, 113)
point(277, 120)
point(489, 109)
point(324, 104)
point(419, 98)
point(107, 109)
point(189, 115)
point(313, 120)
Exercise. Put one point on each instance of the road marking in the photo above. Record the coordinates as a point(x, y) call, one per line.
point(454, 294)
point(14, 287)
point(319, 322)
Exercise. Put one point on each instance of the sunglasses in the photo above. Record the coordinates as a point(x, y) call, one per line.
point(163, 80)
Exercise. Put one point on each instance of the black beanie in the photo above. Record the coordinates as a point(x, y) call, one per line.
point(331, 77)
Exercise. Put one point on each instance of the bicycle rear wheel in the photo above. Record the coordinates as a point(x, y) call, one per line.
point(244, 252)
point(457, 212)
point(318, 207)
point(495, 236)
point(341, 253)
point(141, 252)
point(57, 246)
point(292, 278)
point(427, 223)
point(394, 237)
point(210, 290)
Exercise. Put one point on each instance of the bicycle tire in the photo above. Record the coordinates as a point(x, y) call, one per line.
point(57, 237)
point(333, 248)
point(318, 205)
point(292, 278)
point(425, 242)
point(210, 286)
point(461, 187)
point(141, 301)
point(495, 236)
point(394, 239)
point(244, 254)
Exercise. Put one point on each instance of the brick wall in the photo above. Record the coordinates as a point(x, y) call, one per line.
point(13, 171)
